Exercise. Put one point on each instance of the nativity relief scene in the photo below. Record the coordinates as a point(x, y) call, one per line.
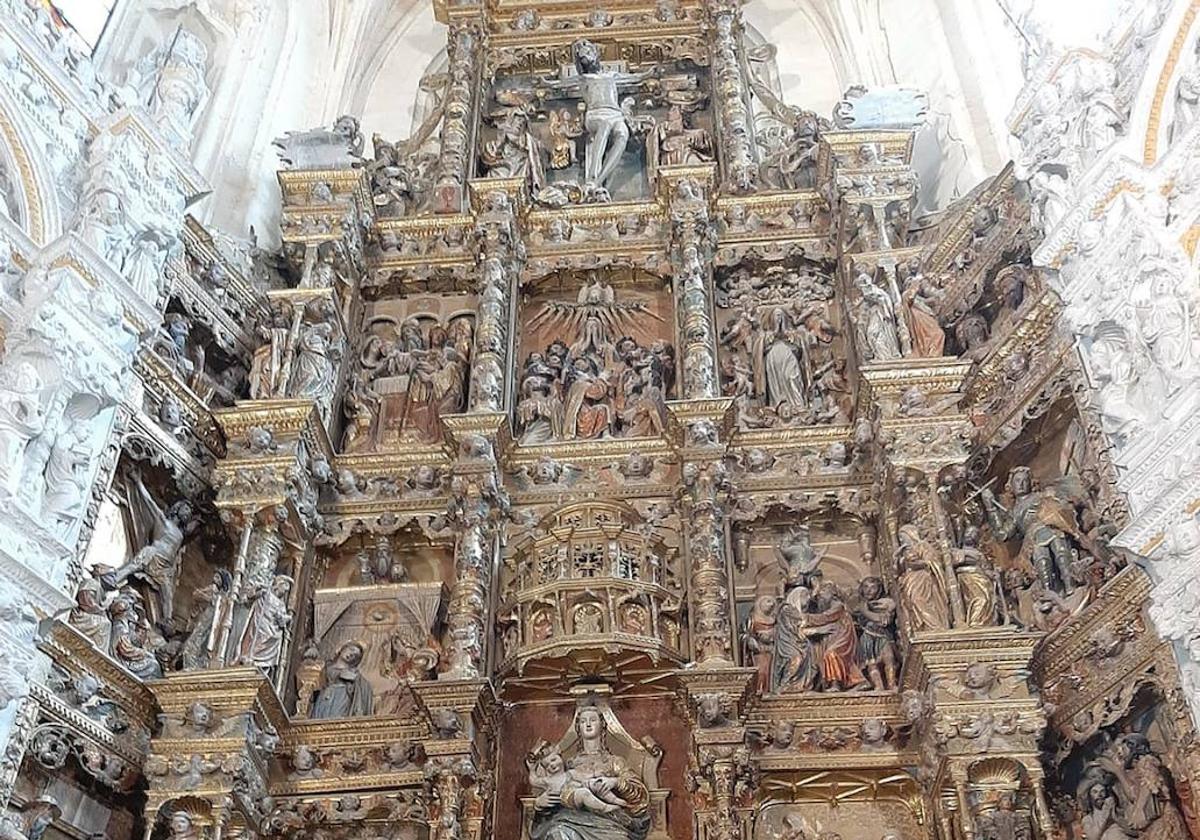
point(631, 452)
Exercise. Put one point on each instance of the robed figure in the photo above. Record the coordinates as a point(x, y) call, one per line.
point(346, 692)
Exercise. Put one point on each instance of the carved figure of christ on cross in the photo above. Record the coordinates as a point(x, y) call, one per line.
point(604, 119)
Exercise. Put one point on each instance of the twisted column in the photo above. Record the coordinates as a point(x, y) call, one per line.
point(500, 254)
point(706, 487)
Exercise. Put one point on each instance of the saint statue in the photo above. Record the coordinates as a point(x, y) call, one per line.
point(876, 617)
point(312, 377)
point(262, 639)
point(680, 145)
point(346, 692)
point(204, 637)
point(1127, 792)
point(759, 639)
point(181, 827)
point(928, 337)
point(922, 582)
point(799, 559)
point(794, 662)
point(266, 367)
point(1001, 819)
point(131, 639)
point(67, 471)
point(593, 795)
point(976, 581)
point(22, 415)
point(564, 128)
point(837, 650)
point(89, 615)
point(779, 375)
point(878, 320)
point(1046, 522)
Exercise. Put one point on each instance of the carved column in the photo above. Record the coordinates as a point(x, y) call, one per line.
point(500, 252)
point(723, 779)
point(477, 501)
point(464, 54)
point(476, 506)
point(278, 453)
point(449, 785)
point(687, 190)
point(735, 124)
point(325, 212)
point(704, 497)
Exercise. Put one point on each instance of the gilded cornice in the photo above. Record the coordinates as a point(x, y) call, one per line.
point(598, 452)
point(147, 440)
point(241, 689)
point(1122, 598)
point(888, 380)
point(73, 652)
point(199, 242)
point(350, 181)
point(827, 709)
point(883, 760)
point(161, 379)
point(958, 234)
point(287, 420)
point(789, 438)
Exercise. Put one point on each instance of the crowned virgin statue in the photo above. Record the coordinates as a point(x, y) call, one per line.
point(591, 795)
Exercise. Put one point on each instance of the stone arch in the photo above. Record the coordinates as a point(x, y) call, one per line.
point(386, 91)
point(1153, 107)
point(33, 199)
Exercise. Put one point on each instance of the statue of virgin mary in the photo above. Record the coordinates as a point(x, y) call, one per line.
point(593, 795)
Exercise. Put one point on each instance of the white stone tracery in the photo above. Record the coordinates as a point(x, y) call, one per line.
point(1118, 210)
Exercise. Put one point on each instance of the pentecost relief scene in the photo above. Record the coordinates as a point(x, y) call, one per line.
point(652, 420)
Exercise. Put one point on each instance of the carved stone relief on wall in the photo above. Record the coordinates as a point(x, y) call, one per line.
point(1125, 779)
point(815, 611)
point(1033, 525)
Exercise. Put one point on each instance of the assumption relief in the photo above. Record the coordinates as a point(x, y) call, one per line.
point(782, 355)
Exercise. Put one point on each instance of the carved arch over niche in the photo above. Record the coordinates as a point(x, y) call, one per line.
point(1153, 109)
point(33, 197)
